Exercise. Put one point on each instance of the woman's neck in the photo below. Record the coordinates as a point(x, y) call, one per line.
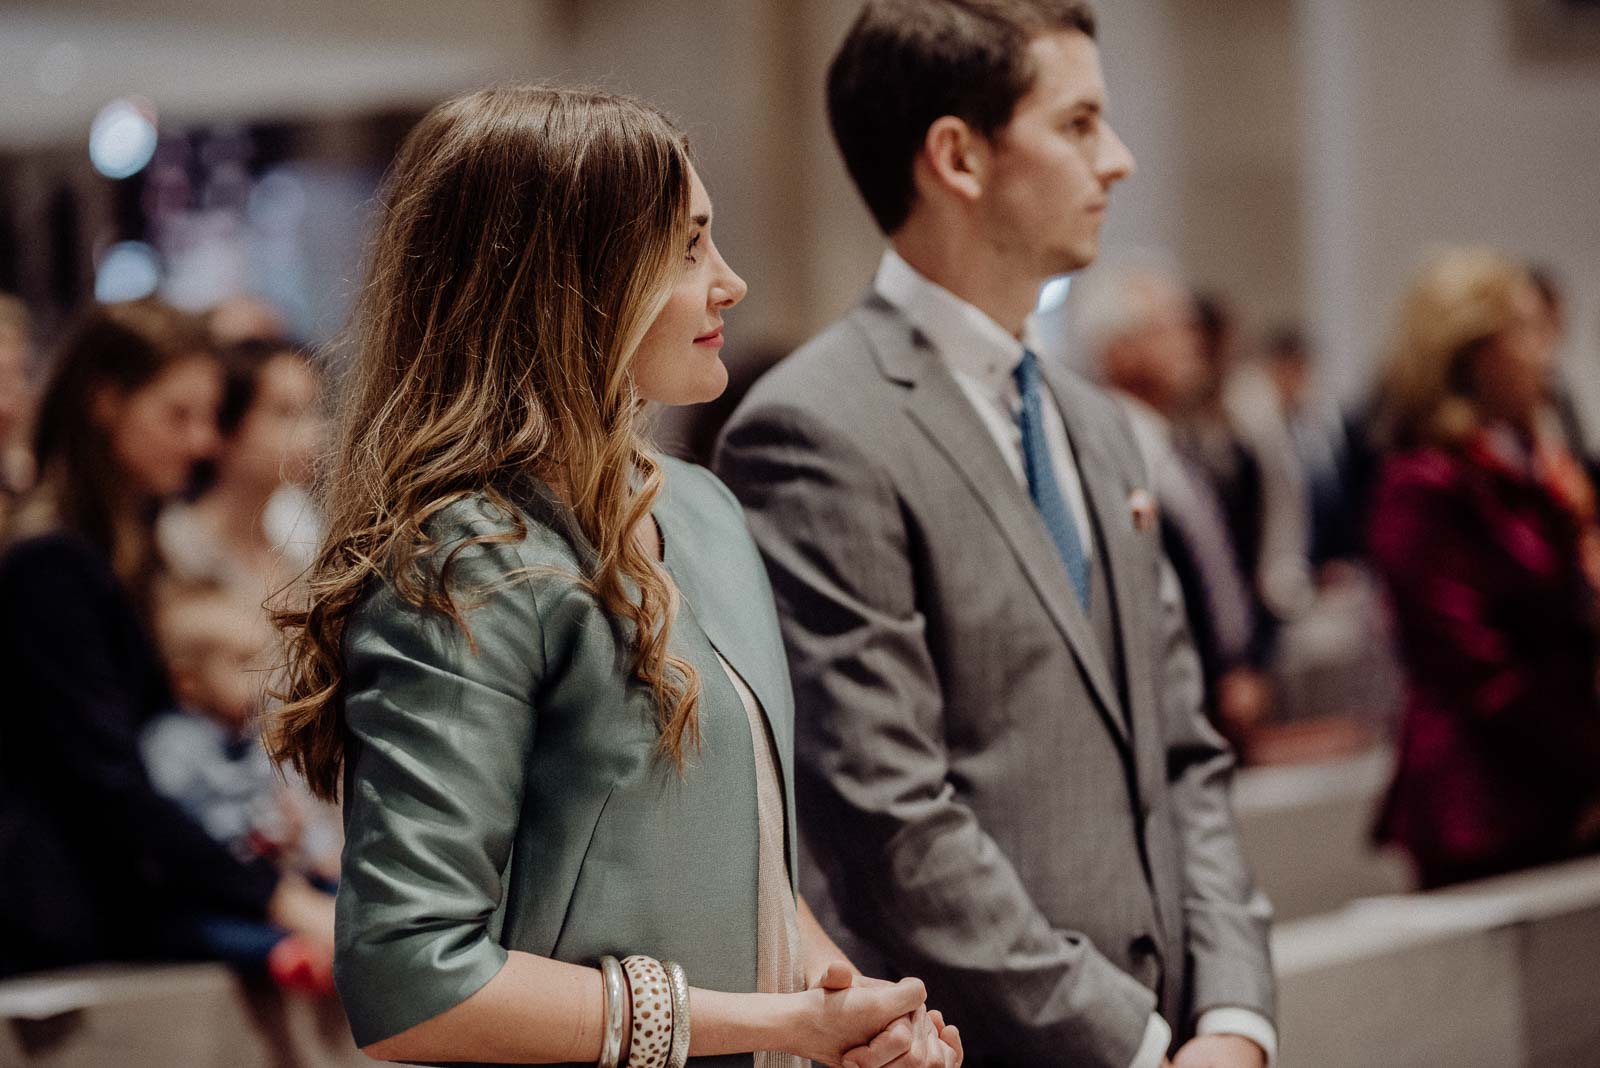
point(235, 508)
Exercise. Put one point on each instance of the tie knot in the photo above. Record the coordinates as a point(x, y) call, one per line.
point(1027, 372)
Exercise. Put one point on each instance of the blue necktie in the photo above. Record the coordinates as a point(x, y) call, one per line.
point(1042, 484)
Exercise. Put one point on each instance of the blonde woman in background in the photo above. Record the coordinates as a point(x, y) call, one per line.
point(540, 662)
point(1483, 528)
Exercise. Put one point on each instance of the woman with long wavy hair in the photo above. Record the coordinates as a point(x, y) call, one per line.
point(540, 663)
point(1483, 528)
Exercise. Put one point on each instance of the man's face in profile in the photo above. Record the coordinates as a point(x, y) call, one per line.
point(1054, 164)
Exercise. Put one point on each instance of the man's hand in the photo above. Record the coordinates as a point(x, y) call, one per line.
point(1220, 1051)
point(1244, 698)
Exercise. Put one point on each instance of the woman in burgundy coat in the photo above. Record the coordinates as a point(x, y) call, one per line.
point(1483, 528)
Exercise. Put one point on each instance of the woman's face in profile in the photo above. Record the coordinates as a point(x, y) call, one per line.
point(281, 435)
point(1513, 371)
point(161, 430)
point(679, 361)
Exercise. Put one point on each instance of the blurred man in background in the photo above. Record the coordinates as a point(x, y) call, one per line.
point(1139, 327)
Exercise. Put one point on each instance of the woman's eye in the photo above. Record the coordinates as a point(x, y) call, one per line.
point(694, 242)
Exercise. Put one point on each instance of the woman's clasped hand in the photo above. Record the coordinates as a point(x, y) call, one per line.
point(879, 1022)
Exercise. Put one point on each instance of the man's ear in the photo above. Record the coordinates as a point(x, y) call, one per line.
point(954, 158)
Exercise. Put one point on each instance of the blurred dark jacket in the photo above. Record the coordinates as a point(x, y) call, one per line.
point(95, 863)
point(1482, 551)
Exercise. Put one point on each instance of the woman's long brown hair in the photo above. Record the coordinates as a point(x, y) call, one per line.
point(526, 241)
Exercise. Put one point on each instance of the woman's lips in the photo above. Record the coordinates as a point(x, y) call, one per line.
point(712, 340)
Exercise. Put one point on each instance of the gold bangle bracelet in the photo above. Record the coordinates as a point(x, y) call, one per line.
point(678, 982)
point(611, 1040)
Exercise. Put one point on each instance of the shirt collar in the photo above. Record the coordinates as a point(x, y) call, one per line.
point(968, 340)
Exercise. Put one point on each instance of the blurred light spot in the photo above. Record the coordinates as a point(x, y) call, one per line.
point(60, 69)
point(123, 138)
point(277, 203)
point(1054, 293)
point(129, 270)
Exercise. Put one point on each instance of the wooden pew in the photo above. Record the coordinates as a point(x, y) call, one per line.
point(1495, 974)
point(166, 1016)
point(1305, 830)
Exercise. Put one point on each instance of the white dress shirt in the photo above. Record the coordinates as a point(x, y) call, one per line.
point(983, 356)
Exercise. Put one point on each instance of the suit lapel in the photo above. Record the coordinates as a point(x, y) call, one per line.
point(1107, 494)
point(942, 411)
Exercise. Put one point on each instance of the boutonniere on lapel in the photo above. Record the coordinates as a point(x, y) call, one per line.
point(1143, 508)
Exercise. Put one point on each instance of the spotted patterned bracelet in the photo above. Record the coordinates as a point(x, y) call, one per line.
point(651, 991)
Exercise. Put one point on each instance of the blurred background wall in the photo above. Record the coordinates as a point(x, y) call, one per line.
point(1297, 155)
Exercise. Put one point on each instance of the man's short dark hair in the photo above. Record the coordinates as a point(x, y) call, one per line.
point(906, 63)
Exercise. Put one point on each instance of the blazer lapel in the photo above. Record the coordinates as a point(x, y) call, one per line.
point(728, 612)
point(939, 408)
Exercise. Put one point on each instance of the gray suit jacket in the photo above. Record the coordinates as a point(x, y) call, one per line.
point(1042, 837)
point(506, 794)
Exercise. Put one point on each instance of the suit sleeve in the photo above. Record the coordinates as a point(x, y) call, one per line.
point(440, 728)
point(1226, 919)
point(92, 726)
point(911, 866)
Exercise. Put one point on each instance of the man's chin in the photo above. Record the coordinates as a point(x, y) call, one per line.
point(1075, 260)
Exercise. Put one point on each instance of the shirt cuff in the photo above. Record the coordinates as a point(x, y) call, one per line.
point(1244, 1023)
point(1157, 1037)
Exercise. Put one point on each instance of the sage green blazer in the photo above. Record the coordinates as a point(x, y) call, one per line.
point(505, 793)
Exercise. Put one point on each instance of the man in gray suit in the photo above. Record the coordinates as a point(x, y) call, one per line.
point(1004, 769)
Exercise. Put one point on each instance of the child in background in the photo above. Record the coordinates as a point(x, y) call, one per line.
point(206, 756)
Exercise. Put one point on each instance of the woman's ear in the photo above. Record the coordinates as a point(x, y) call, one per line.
point(954, 158)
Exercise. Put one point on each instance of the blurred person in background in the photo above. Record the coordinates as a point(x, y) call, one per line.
point(272, 435)
point(205, 754)
point(16, 402)
point(243, 318)
point(1211, 435)
point(1483, 528)
point(1334, 672)
point(540, 662)
point(99, 864)
point(1316, 440)
point(1567, 392)
point(1138, 326)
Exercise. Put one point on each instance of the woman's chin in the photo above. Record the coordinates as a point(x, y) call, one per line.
point(705, 384)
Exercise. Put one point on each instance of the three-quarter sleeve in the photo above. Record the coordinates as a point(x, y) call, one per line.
point(440, 728)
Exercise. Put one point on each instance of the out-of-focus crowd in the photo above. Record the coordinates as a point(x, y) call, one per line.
point(155, 513)
point(1421, 568)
